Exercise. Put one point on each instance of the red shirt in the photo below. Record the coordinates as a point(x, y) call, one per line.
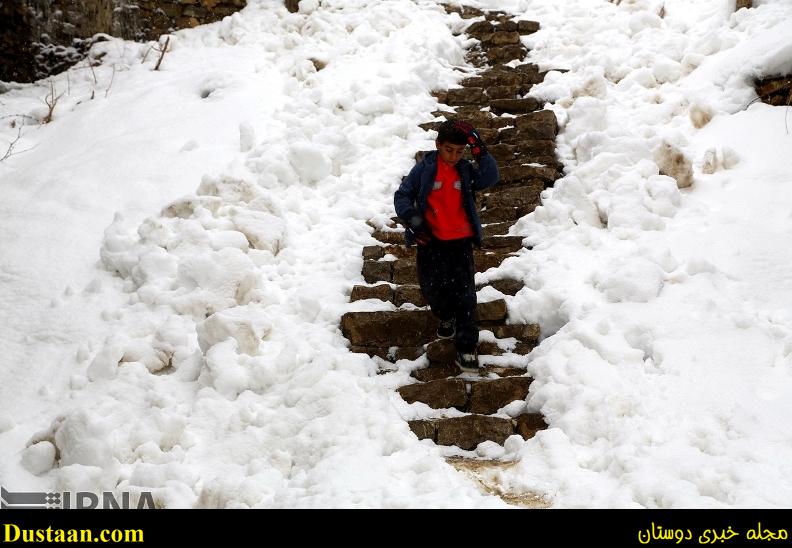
point(444, 211)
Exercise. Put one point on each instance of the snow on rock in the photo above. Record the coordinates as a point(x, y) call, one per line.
point(39, 457)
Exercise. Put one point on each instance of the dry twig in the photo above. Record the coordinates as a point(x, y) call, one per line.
point(162, 51)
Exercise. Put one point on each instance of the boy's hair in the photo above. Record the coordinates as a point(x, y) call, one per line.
point(447, 133)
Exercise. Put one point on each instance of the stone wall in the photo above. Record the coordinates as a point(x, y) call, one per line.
point(41, 37)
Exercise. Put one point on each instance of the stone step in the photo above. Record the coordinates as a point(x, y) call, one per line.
point(504, 54)
point(409, 328)
point(481, 397)
point(540, 125)
point(466, 96)
point(403, 271)
point(499, 216)
point(464, 432)
point(522, 172)
point(445, 370)
point(411, 293)
point(496, 229)
point(507, 286)
point(490, 242)
point(443, 351)
point(389, 236)
point(512, 196)
point(468, 431)
point(439, 394)
point(500, 37)
point(465, 12)
point(517, 150)
point(514, 106)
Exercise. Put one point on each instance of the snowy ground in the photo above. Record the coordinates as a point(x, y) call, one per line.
point(202, 225)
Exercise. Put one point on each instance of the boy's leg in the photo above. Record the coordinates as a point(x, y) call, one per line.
point(432, 261)
point(462, 287)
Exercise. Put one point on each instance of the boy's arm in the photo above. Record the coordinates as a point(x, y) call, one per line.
point(487, 173)
point(405, 196)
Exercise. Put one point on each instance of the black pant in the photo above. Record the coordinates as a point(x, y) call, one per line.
point(445, 272)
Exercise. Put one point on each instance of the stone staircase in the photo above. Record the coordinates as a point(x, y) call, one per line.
point(522, 139)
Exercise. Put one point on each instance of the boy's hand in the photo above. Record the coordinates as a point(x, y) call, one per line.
point(421, 235)
point(477, 146)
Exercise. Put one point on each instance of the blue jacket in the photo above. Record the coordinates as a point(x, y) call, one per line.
point(410, 199)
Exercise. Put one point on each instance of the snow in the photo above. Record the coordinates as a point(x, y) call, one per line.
point(178, 247)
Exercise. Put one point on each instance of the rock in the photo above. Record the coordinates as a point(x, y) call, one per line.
point(391, 354)
point(487, 397)
point(423, 429)
point(506, 286)
point(441, 351)
point(740, 4)
point(503, 244)
point(377, 271)
point(501, 38)
point(503, 371)
point(484, 260)
point(239, 323)
point(384, 329)
point(498, 215)
point(504, 54)
point(492, 311)
point(468, 431)
point(527, 27)
point(437, 371)
point(466, 96)
point(496, 229)
point(404, 271)
point(504, 92)
point(528, 424)
point(521, 332)
point(673, 163)
point(489, 348)
point(39, 457)
point(373, 252)
point(516, 196)
point(389, 236)
point(439, 394)
point(514, 106)
point(383, 292)
point(410, 293)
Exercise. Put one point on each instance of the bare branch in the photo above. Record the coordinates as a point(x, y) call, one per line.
point(51, 100)
point(162, 51)
point(10, 152)
point(111, 81)
point(145, 55)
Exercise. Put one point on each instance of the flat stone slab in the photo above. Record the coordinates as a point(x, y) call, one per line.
point(521, 332)
point(410, 293)
point(506, 286)
point(439, 394)
point(468, 431)
point(529, 424)
point(389, 237)
point(436, 371)
point(383, 292)
point(487, 397)
point(383, 329)
point(496, 229)
point(391, 354)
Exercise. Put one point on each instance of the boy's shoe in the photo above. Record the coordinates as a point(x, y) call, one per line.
point(468, 362)
point(446, 329)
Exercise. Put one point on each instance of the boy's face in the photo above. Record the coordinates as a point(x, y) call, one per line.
point(449, 152)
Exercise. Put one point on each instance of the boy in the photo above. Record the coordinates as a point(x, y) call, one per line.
point(436, 202)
